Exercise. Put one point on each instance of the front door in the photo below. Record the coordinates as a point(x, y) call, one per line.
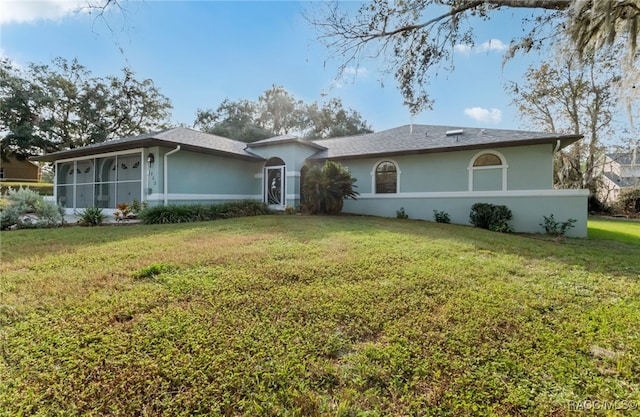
point(274, 187)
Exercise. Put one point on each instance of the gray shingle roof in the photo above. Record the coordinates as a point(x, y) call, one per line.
point(622, 182)
point(188, 139)
point(283, 139)
point(411, 139)
point(624, 158)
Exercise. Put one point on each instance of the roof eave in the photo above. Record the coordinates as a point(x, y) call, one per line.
point(142, 143)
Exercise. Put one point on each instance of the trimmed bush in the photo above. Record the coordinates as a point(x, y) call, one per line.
point(185, 213)
point(492, 217)
point(441, 216)
point(39, 187)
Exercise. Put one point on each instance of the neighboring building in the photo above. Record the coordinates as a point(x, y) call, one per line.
point(620, 171)
point(421, 168)
point(19, 170)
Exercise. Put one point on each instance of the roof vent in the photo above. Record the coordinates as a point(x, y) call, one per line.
point(455, 132)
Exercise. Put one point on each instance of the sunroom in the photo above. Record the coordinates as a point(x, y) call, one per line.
point(100, 180)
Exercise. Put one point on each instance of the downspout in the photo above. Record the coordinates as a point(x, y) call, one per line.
point(555, 150)
point(166, 174)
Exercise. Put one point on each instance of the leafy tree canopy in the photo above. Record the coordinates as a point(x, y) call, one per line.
point(47, 108)
point(277, 112)
point(418, 36)
point(569, 94)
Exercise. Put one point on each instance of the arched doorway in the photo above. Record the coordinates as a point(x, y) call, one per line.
point(274, 183)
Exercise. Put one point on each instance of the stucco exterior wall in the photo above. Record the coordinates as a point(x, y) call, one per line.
point(294, 156)
point(443, 182)
point(202, 178)
point(528, 207)
point(528, 168)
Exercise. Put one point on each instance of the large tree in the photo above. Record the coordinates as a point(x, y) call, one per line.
point(277, 112)
point(418, 36)
point(45, 108)
point(572, 95)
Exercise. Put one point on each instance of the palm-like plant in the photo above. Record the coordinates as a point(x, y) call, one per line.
point(326, 187)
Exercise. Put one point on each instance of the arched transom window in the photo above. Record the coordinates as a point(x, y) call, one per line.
point(487, 160)
point(386, 177)
point(488, 172)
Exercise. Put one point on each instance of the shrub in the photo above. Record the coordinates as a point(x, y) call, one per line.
point(24, 196)
point(92, 216)
point(184, 213)
point(594, 205)
point(629, 201)
point(289, 210)
point(10, 215)
point(554, 228)
point(326, 187)
point(400, 214)
point(39, 187)
point(25, 208)
point(49, 213)
point(441, 216)
point(138, 206)
point(492, 217)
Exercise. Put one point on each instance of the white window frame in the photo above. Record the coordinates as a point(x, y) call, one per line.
point(503, 166)
point(373, 175)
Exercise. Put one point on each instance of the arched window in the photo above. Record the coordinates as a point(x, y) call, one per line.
point(488, 172)
point(487, 160)
point(386, 177)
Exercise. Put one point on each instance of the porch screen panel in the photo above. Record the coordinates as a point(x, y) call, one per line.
point(105, 195)
point(85, 172)
point(129, 180)
point(105, 190)
point(64, 181)
point(84, 196)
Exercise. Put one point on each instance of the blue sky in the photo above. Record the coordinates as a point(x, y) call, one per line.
point(200, 52)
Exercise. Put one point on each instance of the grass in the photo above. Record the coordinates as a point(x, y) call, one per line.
point(314, 316)
point(627, 231)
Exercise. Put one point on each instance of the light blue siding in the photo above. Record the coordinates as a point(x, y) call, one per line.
point(528, 210)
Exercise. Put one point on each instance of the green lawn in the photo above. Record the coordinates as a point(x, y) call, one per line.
point(622, 230)
point(315, 316)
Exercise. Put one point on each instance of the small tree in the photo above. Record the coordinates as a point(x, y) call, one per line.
point(326, 187)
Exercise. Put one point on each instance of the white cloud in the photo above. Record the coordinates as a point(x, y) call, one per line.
point(22, 11)
point(480, 114)
point(463, 49)
point(356, 71)
point(488, 46)
point(492, 45)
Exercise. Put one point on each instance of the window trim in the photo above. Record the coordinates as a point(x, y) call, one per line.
point(373, 175)
point(504, 167)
